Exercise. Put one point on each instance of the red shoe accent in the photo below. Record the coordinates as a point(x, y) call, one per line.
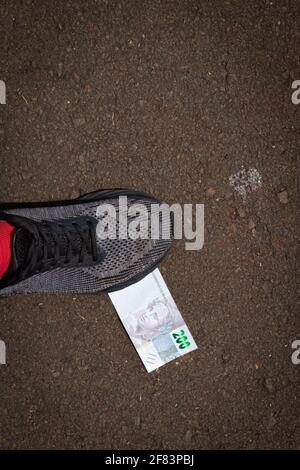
point(6, 235)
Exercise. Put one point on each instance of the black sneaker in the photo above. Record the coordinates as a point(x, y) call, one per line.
point(55, 247)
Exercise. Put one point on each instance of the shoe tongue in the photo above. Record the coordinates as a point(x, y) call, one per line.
point(21, 243)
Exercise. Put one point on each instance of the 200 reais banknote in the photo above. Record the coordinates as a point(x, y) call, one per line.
point(153, 321)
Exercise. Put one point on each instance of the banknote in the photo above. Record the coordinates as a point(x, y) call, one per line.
point(153, 321)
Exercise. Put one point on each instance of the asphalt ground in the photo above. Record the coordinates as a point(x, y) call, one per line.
point(171, 98)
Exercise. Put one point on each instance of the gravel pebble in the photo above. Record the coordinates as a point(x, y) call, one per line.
point(283, 196)
point(269, 385)
point(79, 121)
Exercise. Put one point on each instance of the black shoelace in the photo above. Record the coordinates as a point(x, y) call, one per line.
point(69, 242)
point(61, 245)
